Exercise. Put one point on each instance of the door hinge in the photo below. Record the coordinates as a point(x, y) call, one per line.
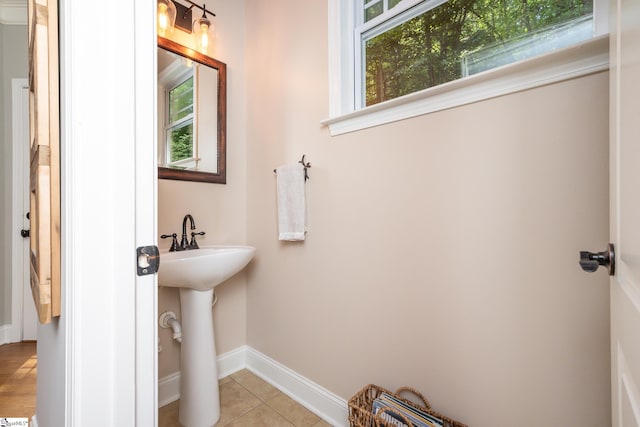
point(148, 260)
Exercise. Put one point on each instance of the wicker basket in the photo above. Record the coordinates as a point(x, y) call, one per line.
point(361, 408)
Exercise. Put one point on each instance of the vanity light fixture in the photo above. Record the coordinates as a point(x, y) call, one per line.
point(166, 17)
point(173, 14)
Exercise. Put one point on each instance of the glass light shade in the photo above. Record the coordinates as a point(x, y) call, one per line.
point(203, 31)
point(166, 17)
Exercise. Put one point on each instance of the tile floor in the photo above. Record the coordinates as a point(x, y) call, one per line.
point(247, 400)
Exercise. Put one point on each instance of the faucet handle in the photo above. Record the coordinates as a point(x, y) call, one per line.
point(174, 242)
point(194, 244)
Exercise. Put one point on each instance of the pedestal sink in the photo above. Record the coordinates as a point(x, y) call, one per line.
point(196, 272)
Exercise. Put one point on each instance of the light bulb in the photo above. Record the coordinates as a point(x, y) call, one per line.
point(163, 19)
point(202, 31)
point(166, 17)
point(204, 38)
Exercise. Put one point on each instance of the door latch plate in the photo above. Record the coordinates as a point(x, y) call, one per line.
point(148, 260)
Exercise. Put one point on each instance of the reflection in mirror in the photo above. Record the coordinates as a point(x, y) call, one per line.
point(191, 115)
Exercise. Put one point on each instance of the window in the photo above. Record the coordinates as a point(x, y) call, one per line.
point(385, 53)
point(177, 117)
point(179, 127)
point(428, 44)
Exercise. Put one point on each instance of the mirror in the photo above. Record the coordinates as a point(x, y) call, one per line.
point(192, 114)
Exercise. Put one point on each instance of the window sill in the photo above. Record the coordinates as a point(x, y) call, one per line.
point(576, 61)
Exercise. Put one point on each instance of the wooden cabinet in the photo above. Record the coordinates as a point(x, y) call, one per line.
point(44, 140)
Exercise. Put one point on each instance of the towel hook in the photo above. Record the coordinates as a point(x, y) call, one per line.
point(304, 165)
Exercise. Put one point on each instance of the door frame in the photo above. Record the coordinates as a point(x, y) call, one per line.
point(146, 210)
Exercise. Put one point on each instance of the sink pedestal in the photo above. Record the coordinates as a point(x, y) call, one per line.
point(196, 273)
point(199, 393)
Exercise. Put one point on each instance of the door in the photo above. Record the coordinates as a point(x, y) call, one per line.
point(625, 212)
point(27, 318)
point(23, 315)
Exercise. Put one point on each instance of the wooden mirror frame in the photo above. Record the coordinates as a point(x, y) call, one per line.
point(219, 177)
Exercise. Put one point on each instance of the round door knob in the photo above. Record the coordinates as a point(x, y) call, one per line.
point(591, 261)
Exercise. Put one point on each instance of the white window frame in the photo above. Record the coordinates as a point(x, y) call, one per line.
point(187, 120)
point(585, 58)
point(169, 79)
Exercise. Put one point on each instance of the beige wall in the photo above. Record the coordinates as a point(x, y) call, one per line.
point(219, 210)
point(13, 64)
point(442, 250)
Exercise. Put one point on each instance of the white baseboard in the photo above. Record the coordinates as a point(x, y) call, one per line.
point(232, 361)
point(228, 363)
point(5, 331)
point(328, 406)
point(168, 389)
point(9, 334)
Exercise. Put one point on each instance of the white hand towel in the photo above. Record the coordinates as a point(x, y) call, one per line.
point(291, 202)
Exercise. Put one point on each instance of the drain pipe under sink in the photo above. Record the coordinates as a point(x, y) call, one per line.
point(168, 320)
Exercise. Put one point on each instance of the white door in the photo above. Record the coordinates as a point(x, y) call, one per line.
point(24, 318)
point(29, 315)
point(625, 212)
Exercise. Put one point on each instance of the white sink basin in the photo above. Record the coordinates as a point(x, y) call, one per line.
point(202, 269)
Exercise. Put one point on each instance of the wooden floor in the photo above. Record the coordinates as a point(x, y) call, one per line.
point(18, 367)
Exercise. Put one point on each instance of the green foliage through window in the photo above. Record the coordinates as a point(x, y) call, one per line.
point(463, 37)
point(180, 117)
point(181, 143)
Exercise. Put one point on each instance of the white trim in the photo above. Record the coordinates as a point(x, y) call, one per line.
point(146, 210)
point(168, 389)
point(72, 292)
point(322, 402)
point(6, 334)
point(228, 363)
point(232, 361)
point(600, 17)
point(328, 406)
point(580, 60)
point(341, 57)
point(34, 421)
point(13, 12)
point(390, 14)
